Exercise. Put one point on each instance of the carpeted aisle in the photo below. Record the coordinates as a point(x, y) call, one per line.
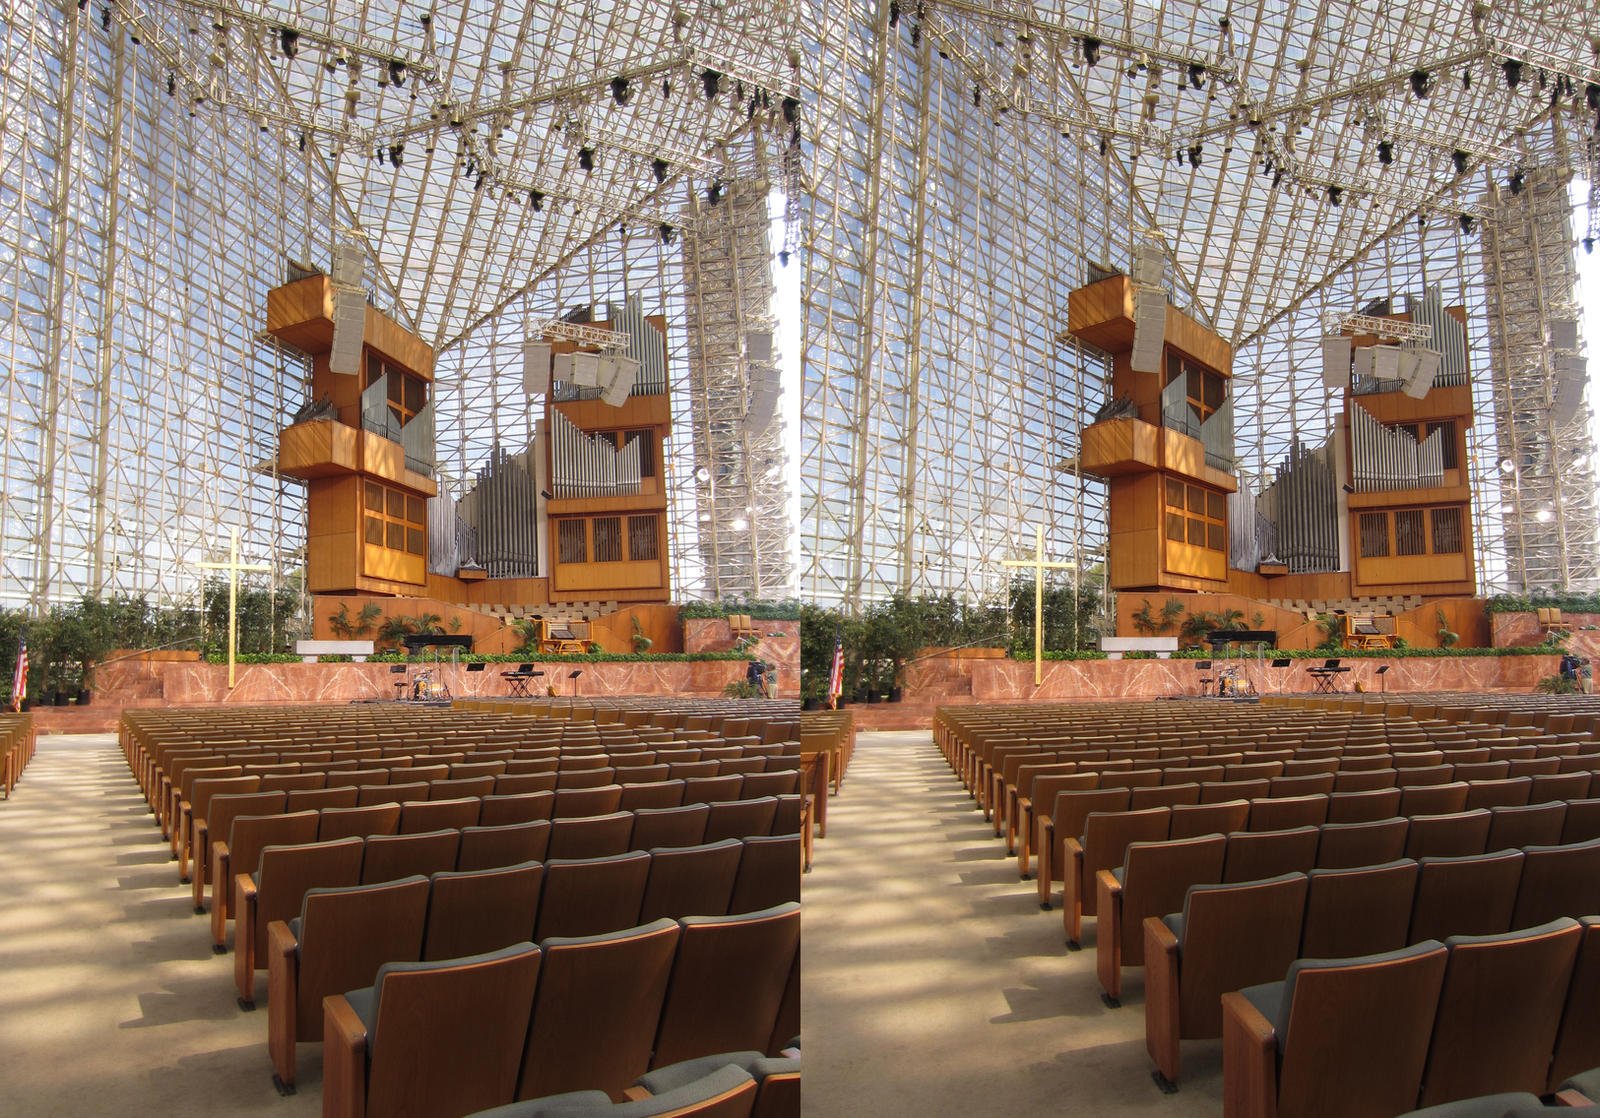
point(935, 986)
point(111, 1002)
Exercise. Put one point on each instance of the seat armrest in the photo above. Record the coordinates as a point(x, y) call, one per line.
point(1163, 1020)
point(1045, 848)
point(283, 1008)
point(244, 938)
point(344, 1060)
point(1072, 888)
point(1249, 1060)
point(1573, 1097)
point(634, 1094)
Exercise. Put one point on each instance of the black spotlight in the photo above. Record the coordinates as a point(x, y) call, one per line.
point(1197, 75)
point(1588, 244)
point(977, 95)
point(668, 235)
point(1517, 180)
point(586, 158)
point(1513, 71)
point(396, 153)
point(1421, 84)
point(397, 72)
point(714, 193)
point(791, 110)
point(783, 256)
point(1334, 194)
point(659, 166)
point(619, 90)
point(105, 19)
point(1591, 93)
point(1194, 155)
point(711, 79)
point(289, 40)
point(1105, 145)
point(666, 87)
point(172, 84)
point(1466, 79)
point(1385, 152)
point(536, 200)
point(894, 13)
point(1459, 158)
point(1466, 223)
point(1277, 177)
point(1091, 49)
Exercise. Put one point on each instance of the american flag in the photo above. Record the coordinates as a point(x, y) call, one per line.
point(19, 678)
point(836, 673)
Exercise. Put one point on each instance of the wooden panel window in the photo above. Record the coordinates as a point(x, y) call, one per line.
point(394, 519)
point(608, 539)
point(1204, 389)
point(1447, 531)
point(1374, 535)
point(642, 538)
point(571, 542)
point(1409, 537)
point(407, 392)
point(1196, 516)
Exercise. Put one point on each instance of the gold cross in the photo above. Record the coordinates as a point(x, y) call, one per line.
point(233, 567)
point(1039, 567)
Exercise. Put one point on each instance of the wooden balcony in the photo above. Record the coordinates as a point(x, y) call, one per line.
point(326, 448)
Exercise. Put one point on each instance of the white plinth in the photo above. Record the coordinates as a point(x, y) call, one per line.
point(308, 651)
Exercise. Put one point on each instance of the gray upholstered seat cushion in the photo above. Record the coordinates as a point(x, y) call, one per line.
point(673, 1076)
point(1121, 874)
point(1515, 1104)
point(596, 1103)
point(1174, 922)
point(365, 1004)
point(1268, 1000)
point(1587, 1082)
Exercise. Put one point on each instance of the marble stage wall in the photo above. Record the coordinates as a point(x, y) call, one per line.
point(163, 684)
point(995, 681)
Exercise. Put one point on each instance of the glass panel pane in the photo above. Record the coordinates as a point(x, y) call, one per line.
point(1174, 493)
point(396, 501)
point(1214, 537)
point(1447, 531)
point(414, 541)
point(394, 536)
point(608, 539)
point(642, 537)
point(1175, 528)
point(374, 497)
point(416, 509)
point(1197, 500)
point(396, 387)
point(1408, 538)
point(374, 531)
point(571, 543)
point(1213, 399)
point(1197, 532)
point(1215, 508)
point(415, 396)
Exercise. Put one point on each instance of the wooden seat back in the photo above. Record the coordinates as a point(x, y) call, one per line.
point(1473, 895)
point(1534, 825)
point(505, 845)
point(474, 911)
point(1343, 845)
point(595, 836)
point(692, 880)
point(358, 822)
point(1189, 820)
point(1361, 911)
point(391, 857)
point(1253, 855)
point(587, 896)
point(1558, 881)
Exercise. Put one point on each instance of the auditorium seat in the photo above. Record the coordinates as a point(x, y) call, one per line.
point(1342, 845)
point(729, 1091)
point(1578, 1037)
point(195, 810)
point(275, 892)
point(600, 999)
point(1190, 820)
point(317, 798)
point(1451, 835)
point(1434, 799)
point(1511, 792)
point(473, 911)
point(692, 880)
point(739, 818)
point(593, 836)
point(727, 983)
point(358, 822)
point(655, 794)
point(670, 826)
point(508, 845)
point(390, 857)
point(457, 1025)
point(1151, 881)
point(1536, 824)
point(1104, 845)
point(1358, 911)
point(777, 1080)
point(1253, 855)
point(1288, 812)
point(1498, 1011)
point(1362, 1024)
point(513, 784)
point(587, 896)
point(572, 803)
point(218, 820)
point(1558, 881)
point(241, 853)
point(434, 815)
point(1364, 805)
point(1225, 937)
point(337, 943)
point(393, 793)
point(1473, 895)
point(769, 873)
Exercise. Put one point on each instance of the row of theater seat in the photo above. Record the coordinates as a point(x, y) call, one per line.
point(506, 799)
point(1227, 936)
point(344, 932)
point(1440, 824)
point(493, 831)
point(273, 891)
point(16, 749)
point(586, 1013)
point(1421, 1026)
point(1575, 1098)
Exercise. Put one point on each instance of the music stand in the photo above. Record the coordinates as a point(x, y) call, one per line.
point(1281, 662)
point(574, 677)
point(399, 684)
point(1205, 680)
point(1383, 684)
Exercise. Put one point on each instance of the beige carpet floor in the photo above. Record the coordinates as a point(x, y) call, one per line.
point(934, 985)
point(111, 1002)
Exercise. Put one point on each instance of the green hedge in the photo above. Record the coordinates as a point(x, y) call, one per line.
point(503, 658)
point(759, 609)
point(1565, 602)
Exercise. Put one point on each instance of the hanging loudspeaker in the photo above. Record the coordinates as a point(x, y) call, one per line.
point(586, 370)
point(535, 367)
point(1149, 330)
point(1386, 362)
point(617, 388)
point(561, 368)
point(349, 328)
point(1335, 361)
point(1418, 367)
point(1362, 362)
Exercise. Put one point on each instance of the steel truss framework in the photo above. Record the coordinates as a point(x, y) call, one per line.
point(159, 160)
point(974, 160)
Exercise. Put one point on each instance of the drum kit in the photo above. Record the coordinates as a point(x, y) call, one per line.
point(1232, 683)
point(428, 688)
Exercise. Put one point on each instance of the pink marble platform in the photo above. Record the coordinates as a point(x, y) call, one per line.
point(1522, 629)
point(182, 684)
